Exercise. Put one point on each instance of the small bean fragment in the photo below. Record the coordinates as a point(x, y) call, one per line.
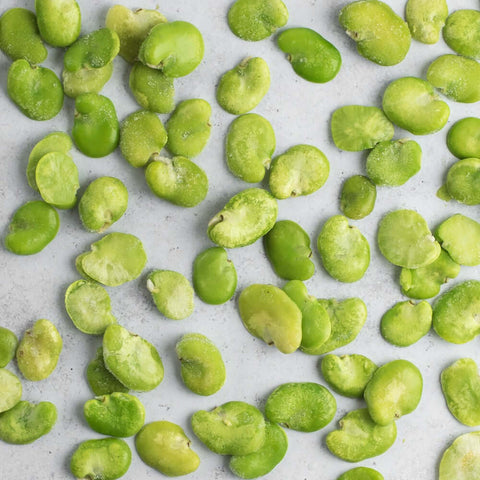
point(355, 127)
point(203, 370)
point(101, 459)
point(254, 20)
point(80, 270)
point(117, 414)
point(86, 80)
point(461, 32)
point(214, 276)
point(165, 447)
point(361, 473)
point(134, 361)
point(461, 460)
point(463, 181)
point(347, 375)
point(360, 437)
point(463, 138)
point(242, 88)
point(426, 19)
point(27, 422)
point(8, 346)
point(234, 428)
point(38, 350)
point(268, 313)
point(33, 226)
point(101, 381)
point(10, 390)
point(358, 197)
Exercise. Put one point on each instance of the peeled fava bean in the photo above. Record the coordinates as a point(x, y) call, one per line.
point(358, 197)
point(381, 35)
point(463, 181)
point(86, 80)
point(27, 422)
point(461, 388)
point(10, 390)
point(425, 19)
point(361, 473)
point(254, 20)
point(461, 460)
point(105, 458)
point(355, 127)
point(461, 32)
point(38, 350)
point(134, 361)
point(268, 313)
point(463, 138)
point(312, 57)
point(246, 217)
point(347, 375)
point(101, 380)
point(203, 370)
point(164, 446)
point(265, 459)
point(234, 428)
point(242, 88)
point(8, 346)
point(394, 390)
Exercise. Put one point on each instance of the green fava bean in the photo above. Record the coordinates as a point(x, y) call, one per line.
point(165, 447)
point(358, 197)
point(405, 240)
point(33, 226)
point(88, 306)
point(460, 237)
point(175, 48)
point(306, 407)
point(152, 89)
point(406, 323)
point(347, 375)
point(172, 293)
point(463, 138)
point(360, 437)
point(118, 414)
point(8, 346)
point(426, 19)
point(455, 313)
point(345, 252)
point(36, 91)
point(142, 135)
point(203, 370)
point(56, 177)
point(287, 246)
point(268, 313)
point(27, 422)
point(411, 103)
point(463, 181)
point(134, 361)
point(461, 388)
point(19, 36)
point(301, 170)
point(347, 318)
point(101, 459)
point(80, 270)
point(265, 459)
point(394, 390)
point(132, 28)
point(456, 77)
point(425, 282)
point(316, 325)
point(461, 460)
point(115, 259)
point(246, 217)
point(101, 381)
point(234, 428)
point(461, 32)
point(189, 127)
point(312, 57)
point(53, 14)
point(214, 276)
point(249, 147)
point(104, 202)
point(86, 80)
point(361, 473)
point(177, 180)
point(242, 88)
point(95, 128)
point(254, 20)
point(381, 35)
point(355, 127)
point(38, 350)
point(393, 163)
point(10, 390)
point(53, 142)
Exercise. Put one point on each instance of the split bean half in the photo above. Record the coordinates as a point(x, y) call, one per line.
point(86, 80)
point(8, 346)
point(10, 390)
point(463, 138)
point(461, 460)
point(358, 197)
point(101, 380)
point(426, 19)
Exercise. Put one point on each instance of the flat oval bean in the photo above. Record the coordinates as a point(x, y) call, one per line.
point(463, 138)
point(101, 381)
point(461, 32)
point(358, 197)
point(10, 390)
point(8, 346)
point(461, 460)
point(426, 19)
point(463, 180)
point(361, 473)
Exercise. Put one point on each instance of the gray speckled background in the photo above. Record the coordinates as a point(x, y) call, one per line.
point(33, 287)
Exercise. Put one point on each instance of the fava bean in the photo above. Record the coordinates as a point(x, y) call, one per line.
point(463, 138)
point(426, 19)
point(461, 460)
point(10, 390)
point(463, 180)
point(358, 197)
point(8, 346)
point(361, 473)
point(86, 80)
point(461, 32)
point(101, 381)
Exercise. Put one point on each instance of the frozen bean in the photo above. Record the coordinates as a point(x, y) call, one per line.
point(101, 381)
point(463, 179)
point(8, 346)
point(10, 390)
point(426, 19)
point(461, 460)
point(461, 32)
